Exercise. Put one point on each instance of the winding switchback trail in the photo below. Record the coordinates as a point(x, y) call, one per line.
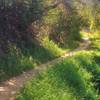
point(11, 87)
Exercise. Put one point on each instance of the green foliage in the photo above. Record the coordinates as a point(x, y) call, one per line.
point(52, 47)
point(90, 14)
point(66, 28)
point(67, 80)
point(19, 59)
point(75, 78)
point(23, 22)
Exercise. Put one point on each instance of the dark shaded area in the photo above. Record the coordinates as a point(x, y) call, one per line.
point(96, 78)
point(19, 48)
point(97, 59)
point(16, 23)
point(22, 59)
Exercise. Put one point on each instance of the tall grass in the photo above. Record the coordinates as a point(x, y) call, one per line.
point(65, 81)
point(19, 59)
point(71, 79)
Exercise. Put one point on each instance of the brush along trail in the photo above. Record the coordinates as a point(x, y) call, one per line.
point(11, 87)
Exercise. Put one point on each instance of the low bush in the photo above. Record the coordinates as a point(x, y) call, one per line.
point(76, 78)
point(71, 79)
point(22, 58)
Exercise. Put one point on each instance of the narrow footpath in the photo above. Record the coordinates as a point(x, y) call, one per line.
point(11, 87)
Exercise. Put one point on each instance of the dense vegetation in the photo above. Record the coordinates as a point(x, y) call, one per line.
point(76, 78)
point(33, 32)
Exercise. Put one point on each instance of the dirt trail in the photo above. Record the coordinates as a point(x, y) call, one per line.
point(11, 87)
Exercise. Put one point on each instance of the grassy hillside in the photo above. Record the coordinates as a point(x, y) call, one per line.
point(22, 59)
point(76, 78)
point(32, 33)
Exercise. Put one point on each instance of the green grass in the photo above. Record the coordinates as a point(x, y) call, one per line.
point(52, 47)
point(22, 58)
point(91, 35)
point(25, 57)
point(75, 78)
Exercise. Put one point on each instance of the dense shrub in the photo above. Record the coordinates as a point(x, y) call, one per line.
point(89, 13)
point(61, 27)
point(77, 78)
point(18, 22)
point(23, 21)
point(19, 59)
point(67, 80)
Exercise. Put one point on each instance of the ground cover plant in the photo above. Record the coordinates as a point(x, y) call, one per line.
point(34, 32)
point(22, 59)
point(75, 78)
